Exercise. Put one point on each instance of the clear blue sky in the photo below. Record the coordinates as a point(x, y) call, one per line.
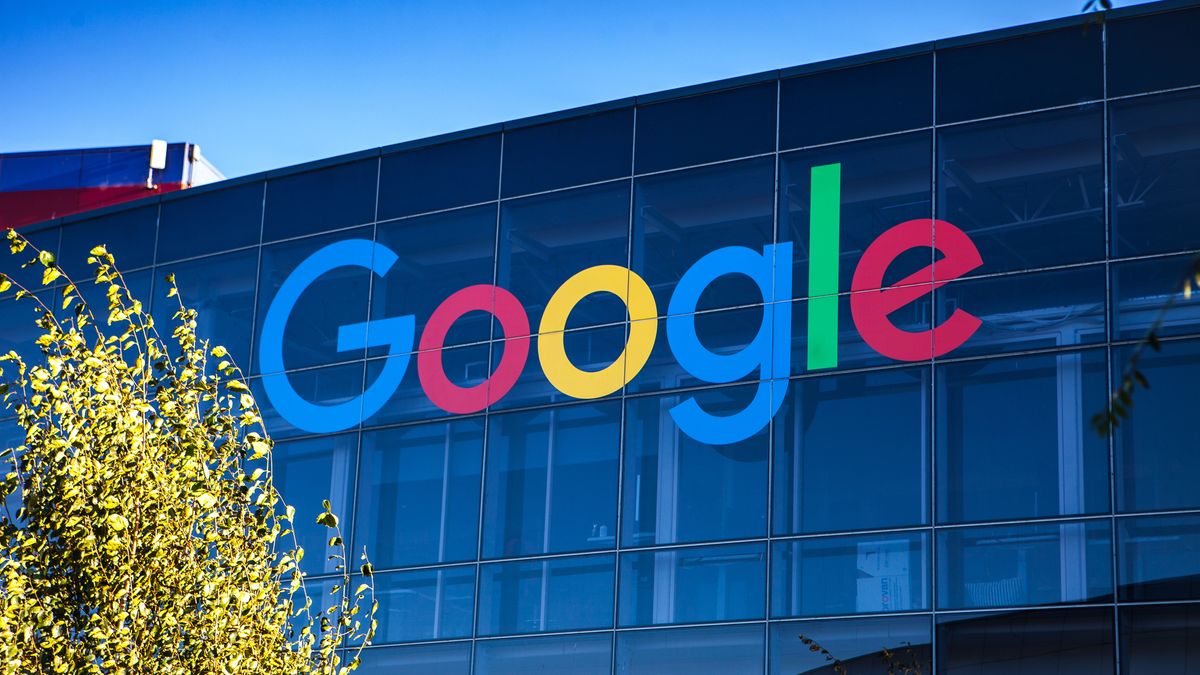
point(261, 85)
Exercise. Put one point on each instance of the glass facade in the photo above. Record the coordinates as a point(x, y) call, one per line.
point(801, 449)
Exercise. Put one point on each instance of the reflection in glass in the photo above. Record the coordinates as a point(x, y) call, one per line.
point(687, 651)
point(1020, 565)
point(1142, 289)
point(588, 349)
point(852, 351)
point(1028, 190)
point(1159, 558)
point(418, 497)
point(693, 585)
point(466, 366)
point(431, 604)
point(857, 643)
point(434, 659)
point(585, 654)
point(677, 489)
point(725, 331)
point(1159, 639)
point(308, 472)
point(552, 480)
point(862, 574)
point(996, 462)
point(539, 596)
point(1059, 641)
point(851, 452)
point(1155, 152)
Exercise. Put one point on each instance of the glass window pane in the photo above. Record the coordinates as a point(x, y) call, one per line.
point(326, 386)
point(840, 345)
point(464, 366)
point(677, 489)
point(681, 217)
point(1021, 312)
point(317, 201)
point(546, 240)
point(1061, 641)
point(883, 182)
point(863, 574)
point(589, 349)
point(128, 235)
point(1156, 459)
point(435, 659)
point(1155, 156)
point(431, 604)
point(1028, 190)
point(1141, 290)
point(552, 480)
point(1159, 558)
point(432, 266)
point(842, 104)
point(19, 330)
point(687, 651)
point(538, 596)
point(41, 238)
point(828, 449)
point(1018, 565)
point(1149, 53)
point(306, 473)
point(706, 128)
point(693, 585)
point(1049, 462)
point(1160, 639)
point(861, 644)
point(724, 331)
point(337, 298)
point(418, 499)
point(571, 152)
point(439, 177)
point(221, 290)
point(587, 654)
point(217, 220)
point(1026, 73)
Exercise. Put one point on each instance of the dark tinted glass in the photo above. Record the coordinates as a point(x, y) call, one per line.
point(19, 330)
point(546, 240)
point(1028, 190)
point(1159, 639)
point(1153, 52)
point(681, 217)
point(858, 643)
point(838, 439)
point(337, 298)
point(434, 659)
point(1155, 156)
point(418, 497)
point(693, 585)
point(995, 463)
point(432, 604)
point(706, 128)
point(1025, 73)
point(327, 386)
point(863, 574)
point(677, 489)
point(1156, 451)
point(589, 349)
point(1027, 311)
point(847, 103)
point(439, 177)
point(1062, 641)
point(546, 595)
point(218, 220)
point(145, 286)
point(325, 199)
point(587, 654)
point(723, 331)
point(1021, 565)
point(128, 235)
point(221, 289)
point(438, 256)
point(308, 472)
point(687, 651)
point(1143, 289)
point(464, 367)
point(840, 345)
point(1159, 558)
point(571, 152)
point(552, 480)
point(43, 238)
point(880, 184)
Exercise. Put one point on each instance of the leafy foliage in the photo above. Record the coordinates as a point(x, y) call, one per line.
point(141, 530)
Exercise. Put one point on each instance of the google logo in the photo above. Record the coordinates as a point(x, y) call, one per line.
point(768, 353)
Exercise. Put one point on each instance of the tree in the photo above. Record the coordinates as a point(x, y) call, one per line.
point(142, 532)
